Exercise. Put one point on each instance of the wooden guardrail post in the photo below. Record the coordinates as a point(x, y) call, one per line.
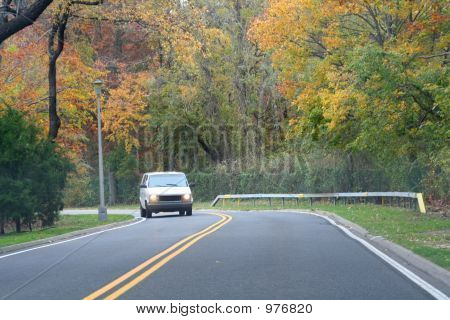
point(421, 203)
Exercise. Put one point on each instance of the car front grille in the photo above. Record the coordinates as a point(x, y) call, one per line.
point(169, 198)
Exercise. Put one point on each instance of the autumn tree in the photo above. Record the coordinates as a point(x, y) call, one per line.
point(363, 76)
point(56, 41)
point(208, 75)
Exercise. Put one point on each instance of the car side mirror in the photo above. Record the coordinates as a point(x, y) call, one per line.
point(192, 184)
point(143, 186)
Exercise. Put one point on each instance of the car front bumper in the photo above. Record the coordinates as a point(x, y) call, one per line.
point(169, 206)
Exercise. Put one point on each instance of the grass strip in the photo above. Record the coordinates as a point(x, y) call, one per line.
point(65, 224)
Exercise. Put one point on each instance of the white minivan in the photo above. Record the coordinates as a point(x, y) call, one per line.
point(165, 192)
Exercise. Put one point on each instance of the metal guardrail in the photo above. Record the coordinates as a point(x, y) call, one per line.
point(378, 197)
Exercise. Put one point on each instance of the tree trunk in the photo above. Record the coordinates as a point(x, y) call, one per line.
point(112, 187)
point(212, 153)
point(3, 20)
point(54, 120)
point(118, 40)
point(2, 225)
point(54, 51)
point(18, 226)
point(55, 48)
point(351, 172)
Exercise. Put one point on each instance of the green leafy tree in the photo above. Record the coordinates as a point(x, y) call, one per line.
point(32, 173)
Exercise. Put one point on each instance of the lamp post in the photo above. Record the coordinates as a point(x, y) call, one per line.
point(102, 212)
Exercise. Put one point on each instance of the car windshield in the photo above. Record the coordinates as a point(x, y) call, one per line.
point(167, 180)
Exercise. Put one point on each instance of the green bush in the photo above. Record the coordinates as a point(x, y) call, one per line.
point(32, 173)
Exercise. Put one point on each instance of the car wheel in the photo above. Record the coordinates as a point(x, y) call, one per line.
point(143, 213)
point(181, 212)
point(189, 212)
point(149, 214)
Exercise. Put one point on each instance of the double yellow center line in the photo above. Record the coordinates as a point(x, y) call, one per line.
point(127, 281)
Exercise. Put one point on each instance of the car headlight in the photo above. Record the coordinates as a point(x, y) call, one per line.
point(186, 197)
point(154, 198)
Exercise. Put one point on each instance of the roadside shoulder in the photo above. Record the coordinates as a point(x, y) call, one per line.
point(427, 270)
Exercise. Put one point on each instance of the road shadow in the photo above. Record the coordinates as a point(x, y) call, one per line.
point(167, 216)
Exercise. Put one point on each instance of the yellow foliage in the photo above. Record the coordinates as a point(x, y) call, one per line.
point(125, 111)
point(309, 41)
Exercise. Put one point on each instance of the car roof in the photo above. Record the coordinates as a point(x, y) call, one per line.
point(166, 173)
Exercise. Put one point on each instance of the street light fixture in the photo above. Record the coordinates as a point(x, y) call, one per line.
point(102, 212)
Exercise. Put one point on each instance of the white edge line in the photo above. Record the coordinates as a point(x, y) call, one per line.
point(72, 239)
point(406, 272)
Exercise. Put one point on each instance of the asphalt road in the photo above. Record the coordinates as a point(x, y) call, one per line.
point(251, 255)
